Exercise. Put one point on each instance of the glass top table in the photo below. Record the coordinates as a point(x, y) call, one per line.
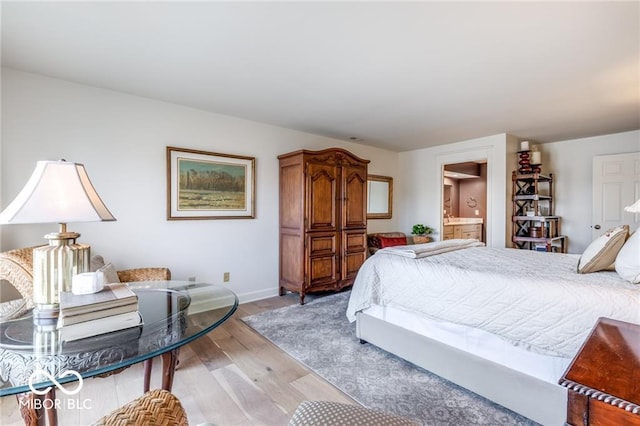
point(174, 313)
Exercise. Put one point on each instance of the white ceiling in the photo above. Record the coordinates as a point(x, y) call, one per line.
point(396, 75)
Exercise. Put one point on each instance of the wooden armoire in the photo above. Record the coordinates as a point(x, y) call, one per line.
point(323, 219)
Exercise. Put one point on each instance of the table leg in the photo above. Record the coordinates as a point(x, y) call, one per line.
point(38, 409)
point(27, 408)
point(48, 400)
point(147, 374)
point(169, 362)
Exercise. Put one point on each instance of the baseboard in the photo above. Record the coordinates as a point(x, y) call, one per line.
point(252, 296)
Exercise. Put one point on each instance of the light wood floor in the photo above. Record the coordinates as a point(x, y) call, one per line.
point(232, 376)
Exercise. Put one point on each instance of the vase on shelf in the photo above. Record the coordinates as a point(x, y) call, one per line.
point(524, 162)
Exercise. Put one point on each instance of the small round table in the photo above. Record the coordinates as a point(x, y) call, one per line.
point(174, 313)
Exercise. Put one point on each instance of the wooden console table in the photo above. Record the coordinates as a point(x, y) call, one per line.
point(604, 377)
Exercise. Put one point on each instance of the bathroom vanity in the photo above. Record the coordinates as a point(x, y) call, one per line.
point(463, 227)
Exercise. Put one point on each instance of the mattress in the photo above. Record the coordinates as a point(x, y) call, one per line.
point(534, 300)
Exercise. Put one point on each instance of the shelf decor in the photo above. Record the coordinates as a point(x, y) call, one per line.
point(536, 160)
point(534, 225)
point(209, 185)
point(529, 158)
point(524, 162)
point(421, 233)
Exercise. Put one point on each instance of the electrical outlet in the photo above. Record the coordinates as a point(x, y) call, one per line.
point(226, 277)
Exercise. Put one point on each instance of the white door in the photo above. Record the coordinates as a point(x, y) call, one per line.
point(616, 184)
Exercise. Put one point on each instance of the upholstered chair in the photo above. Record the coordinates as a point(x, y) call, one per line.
point(329, 413)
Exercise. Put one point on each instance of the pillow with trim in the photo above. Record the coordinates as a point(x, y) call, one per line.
point(392, 241)
point(602, 251)
point(628, 259)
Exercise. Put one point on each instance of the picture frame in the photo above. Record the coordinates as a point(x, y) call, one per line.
point(209, 185)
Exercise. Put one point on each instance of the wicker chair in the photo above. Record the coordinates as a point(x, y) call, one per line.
point(157, 407)
point(16, 267)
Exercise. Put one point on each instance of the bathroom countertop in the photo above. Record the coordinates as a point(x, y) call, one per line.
point(463, 221)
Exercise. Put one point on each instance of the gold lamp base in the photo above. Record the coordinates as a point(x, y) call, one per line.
point(53, 268)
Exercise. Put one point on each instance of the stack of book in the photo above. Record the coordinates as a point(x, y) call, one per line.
point(112, 309)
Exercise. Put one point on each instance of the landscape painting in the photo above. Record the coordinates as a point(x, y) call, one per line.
point(208, 185)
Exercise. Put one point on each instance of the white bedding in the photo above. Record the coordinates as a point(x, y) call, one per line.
point(529, 298)
point(417, 251)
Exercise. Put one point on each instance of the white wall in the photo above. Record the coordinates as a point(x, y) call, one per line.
point(121, 139)
point(571, 163)
point(422, 182)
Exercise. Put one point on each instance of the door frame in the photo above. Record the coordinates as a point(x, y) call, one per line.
point(475, 154)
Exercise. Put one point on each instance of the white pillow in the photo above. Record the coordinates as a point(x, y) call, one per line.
point(110, 274)
point(628, 259)
point(602, 251)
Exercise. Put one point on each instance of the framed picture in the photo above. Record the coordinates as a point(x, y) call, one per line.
point(209, 185)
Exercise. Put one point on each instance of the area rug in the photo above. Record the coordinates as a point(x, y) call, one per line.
point(319, 335)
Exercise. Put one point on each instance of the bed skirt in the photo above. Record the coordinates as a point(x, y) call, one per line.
point(534, 394)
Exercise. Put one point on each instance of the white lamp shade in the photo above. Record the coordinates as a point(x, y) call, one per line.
point(633, 208)
point(57, 192)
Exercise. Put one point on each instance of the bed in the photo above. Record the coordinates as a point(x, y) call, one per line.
point(503, 323)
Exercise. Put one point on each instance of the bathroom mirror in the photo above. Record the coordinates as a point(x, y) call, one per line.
point(379, 197)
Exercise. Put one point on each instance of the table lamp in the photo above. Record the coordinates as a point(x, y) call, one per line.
point(57, 192)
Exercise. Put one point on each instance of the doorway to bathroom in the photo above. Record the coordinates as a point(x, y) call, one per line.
point(464, 200)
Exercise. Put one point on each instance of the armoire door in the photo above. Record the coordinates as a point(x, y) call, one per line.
point(354, 253)
point(354, 197)
point(322, 189)
point(354, 221)
point(322, 260)
point(322, 242)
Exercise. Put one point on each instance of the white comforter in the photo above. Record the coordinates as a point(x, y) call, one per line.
point(533, 299)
